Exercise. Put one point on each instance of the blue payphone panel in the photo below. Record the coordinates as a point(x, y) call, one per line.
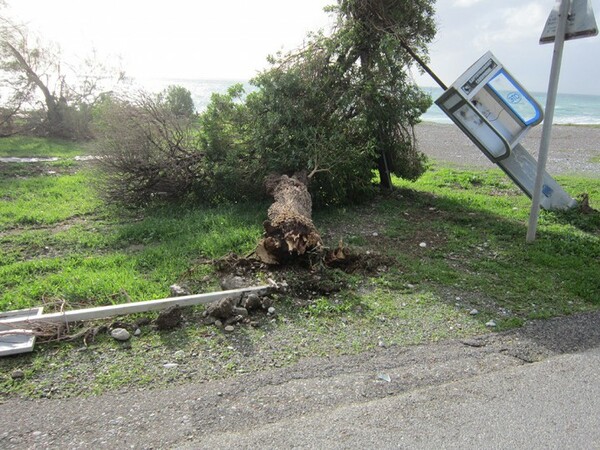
point(496, 112)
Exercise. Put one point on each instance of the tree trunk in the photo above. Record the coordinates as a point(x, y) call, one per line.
point(53, 113)
point(289, 231)
point(385, 179)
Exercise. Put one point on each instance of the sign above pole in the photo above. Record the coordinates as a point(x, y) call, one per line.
point(581, 22)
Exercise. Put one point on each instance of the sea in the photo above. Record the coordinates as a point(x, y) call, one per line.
point(573, 109)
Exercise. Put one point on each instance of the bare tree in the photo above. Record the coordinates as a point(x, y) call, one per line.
point(34, 77)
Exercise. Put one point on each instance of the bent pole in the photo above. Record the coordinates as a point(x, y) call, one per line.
point(424, 66)
point(548, 118)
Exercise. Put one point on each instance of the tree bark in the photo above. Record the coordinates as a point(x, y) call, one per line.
point(289, 230)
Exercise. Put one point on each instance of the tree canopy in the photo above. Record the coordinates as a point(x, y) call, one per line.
point(346, 101)
point(334, 111)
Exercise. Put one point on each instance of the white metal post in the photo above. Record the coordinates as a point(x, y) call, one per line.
point(559, 41)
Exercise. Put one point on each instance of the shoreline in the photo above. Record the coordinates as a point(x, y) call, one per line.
point(574, 149)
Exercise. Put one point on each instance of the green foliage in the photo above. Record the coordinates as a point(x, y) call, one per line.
point(178, 100)
point(334, 111)
point(232, 167)
point(298, 128)
point(345, 105)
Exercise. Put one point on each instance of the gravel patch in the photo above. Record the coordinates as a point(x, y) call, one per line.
point(573, 149)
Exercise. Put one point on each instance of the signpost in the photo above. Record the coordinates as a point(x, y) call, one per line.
point(570, 19)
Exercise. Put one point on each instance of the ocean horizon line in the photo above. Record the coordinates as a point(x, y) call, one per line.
point(576, 109)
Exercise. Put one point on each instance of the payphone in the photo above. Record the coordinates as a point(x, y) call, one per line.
point(496, 113)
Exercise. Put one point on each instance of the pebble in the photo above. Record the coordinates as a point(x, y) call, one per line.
point(474, 312)
point(375, 234)
point(235, 282)
point(490, 324)
point(240, 311)
point(423, 244)
point(170, 365)
point(178, 291)
point(179, 354)
point(271, 310)
point(137, 332)
point(218, 323)
point(229, 328)
point(17, 375)
point(120, 334)
point(384, 377)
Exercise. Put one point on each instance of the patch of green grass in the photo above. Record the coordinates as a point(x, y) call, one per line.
point(45, 200)
point(26, 146)
point(437, 248)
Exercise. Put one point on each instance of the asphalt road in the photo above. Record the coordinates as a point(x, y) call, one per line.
point(535, 387)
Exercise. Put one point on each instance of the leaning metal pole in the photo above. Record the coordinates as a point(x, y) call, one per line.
point(559, 42)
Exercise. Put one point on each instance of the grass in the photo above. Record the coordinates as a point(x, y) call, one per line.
point(25, 146)
point(439, 247)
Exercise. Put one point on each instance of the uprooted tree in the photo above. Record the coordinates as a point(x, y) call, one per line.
point(336, 110)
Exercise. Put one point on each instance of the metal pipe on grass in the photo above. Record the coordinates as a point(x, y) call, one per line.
point(102, 312)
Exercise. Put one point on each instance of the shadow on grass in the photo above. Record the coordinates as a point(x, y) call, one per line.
point(477, 251)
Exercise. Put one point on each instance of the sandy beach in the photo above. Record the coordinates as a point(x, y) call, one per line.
point(573, 149)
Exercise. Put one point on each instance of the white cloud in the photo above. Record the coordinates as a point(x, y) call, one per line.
point(512, 25)
point(465, 3)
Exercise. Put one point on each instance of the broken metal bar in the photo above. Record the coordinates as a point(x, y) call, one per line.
point(102, 312)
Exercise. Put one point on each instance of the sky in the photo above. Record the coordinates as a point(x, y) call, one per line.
point(230, 39)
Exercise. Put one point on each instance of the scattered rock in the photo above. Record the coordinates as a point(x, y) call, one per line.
point(423, 244)
point(170, 365)
point(473, 343)
point(179, 354)
point(218, 323)
point(473, 312)
point(491, 324)
point(271, 310)
point(137, 332)
point(120, 334)
point(178, 291)
point(239, 311)
point(234, 319)
point(229, 328)
point(17, 375)
point(384, 377)
point(169, 318)
point(233, 282)
point(251, 301)
point(266, 302)
point(224, 308)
